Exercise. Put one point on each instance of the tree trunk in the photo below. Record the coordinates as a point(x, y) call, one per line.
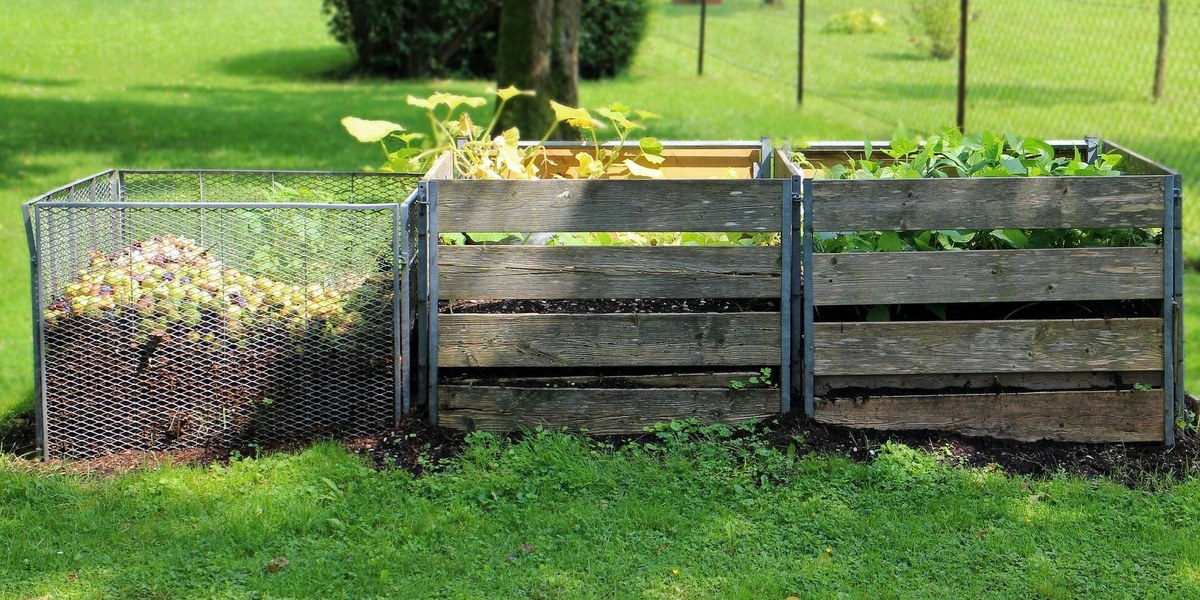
point(1160, 65)
point(539, 50)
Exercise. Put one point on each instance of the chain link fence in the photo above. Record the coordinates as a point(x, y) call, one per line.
point(179, 309)
point(1055, 69)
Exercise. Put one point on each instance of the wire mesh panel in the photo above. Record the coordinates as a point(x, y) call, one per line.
point(182, 309)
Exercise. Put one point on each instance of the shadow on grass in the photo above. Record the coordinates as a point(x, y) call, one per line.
point(37, 82)
point(330, 63)
point(274, 128)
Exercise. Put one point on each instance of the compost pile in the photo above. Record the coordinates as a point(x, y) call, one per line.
point(162, 346)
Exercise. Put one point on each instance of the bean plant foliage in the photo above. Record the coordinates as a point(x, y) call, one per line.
point(482, 153)
point(954, 154)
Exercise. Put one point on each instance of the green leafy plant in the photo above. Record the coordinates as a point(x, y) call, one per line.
point(479, 153)
point(763, 379)
point(935, 26)
point(953, 154)
point(858, 20)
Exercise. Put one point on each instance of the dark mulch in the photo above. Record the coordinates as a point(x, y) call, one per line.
point(1133, 464)
point(419, 448)
point(615, 305)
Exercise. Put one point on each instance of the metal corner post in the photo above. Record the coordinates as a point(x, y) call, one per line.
point(1177, 296)
point(422, 247)
point(32, 235)
point(431, 268)
point(1171, 248)
point(762, 169)
point(786, 333)
point(806, 277)
point(1093, 148)
point(399, 308)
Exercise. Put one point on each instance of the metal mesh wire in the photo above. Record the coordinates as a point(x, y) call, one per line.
point(183, 309)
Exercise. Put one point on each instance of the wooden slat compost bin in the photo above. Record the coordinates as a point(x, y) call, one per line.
point(1078, 375)
point(608, 370)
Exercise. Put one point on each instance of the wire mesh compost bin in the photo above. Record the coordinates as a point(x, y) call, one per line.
point(179, 309)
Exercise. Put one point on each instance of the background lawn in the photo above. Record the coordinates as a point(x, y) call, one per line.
point(88, 85)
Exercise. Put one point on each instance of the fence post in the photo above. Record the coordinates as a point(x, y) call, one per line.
point(431, 271)
point(400, 358)
point(787, 338)
point(1170, 307)
point(961, 115)
point(807, 299)
point(33, 235)
point(422, 370)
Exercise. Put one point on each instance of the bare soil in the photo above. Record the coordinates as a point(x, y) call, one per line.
point(418, 448)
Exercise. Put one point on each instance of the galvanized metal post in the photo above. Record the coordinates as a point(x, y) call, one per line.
point(1092, 144)
point(431, 269)
point(1178, 354)
point(806, 276)
point(787, 242)
point(399, 308)
point(422, 369)
point(32, 235)
point(762, 168)
point(1170, 368)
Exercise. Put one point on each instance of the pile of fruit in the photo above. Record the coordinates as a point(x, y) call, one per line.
point(169, 283)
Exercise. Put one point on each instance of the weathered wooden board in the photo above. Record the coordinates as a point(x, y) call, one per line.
point(610, 205)
point(608, 340)
point(616, 380)
point(1134, 163)
point(899, 348)
point(442, 168)
point(987, 276)
point(1095, 416)
point(483, 272)
point(679, 163)
point(825, 385)
point(987, 203)
point(600, 411)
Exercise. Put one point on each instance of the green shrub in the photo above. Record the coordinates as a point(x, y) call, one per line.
point(856, 21)
point(936, 26)
point(417, 38)
point(609, 35)
point(457, 38)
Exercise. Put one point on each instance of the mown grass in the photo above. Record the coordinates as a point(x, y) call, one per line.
point(90, 85)
point(557, 516)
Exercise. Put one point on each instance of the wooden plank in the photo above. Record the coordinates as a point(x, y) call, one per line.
point(608, 340)
point(610, 205)
point(987, 276)
point(1134, 163)
point(899, 348)
point(833, 384)
point(483, 272)
point(600, 411)
point(443, 167)
point(1108, 416)
point(616, 380)
point(987, 203)
point(679, 163)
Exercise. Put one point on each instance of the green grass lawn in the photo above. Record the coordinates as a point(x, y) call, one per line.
point(558, 517)
point(239, 84)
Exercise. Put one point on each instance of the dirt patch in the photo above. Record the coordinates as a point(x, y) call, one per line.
point(614, 305)
point(420, 449)
point(1133, 464)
